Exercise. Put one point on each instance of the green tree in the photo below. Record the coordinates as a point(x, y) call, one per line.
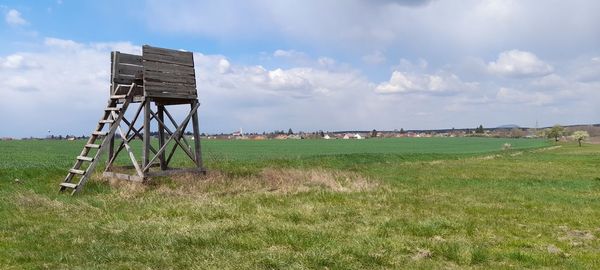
point(580, 135)
point(374, 133)
point(479, 129)
point(555, 132)
point(290, 132)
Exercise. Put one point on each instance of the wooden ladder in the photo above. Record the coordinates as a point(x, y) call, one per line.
point(113, 116)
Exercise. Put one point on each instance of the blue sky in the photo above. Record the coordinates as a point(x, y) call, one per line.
point(310, 65)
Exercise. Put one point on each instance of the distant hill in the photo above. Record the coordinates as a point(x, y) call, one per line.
point(509, 126)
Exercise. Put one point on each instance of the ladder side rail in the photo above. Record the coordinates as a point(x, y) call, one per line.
point(105, 142)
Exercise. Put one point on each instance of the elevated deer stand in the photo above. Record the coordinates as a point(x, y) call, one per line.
point(161, 77)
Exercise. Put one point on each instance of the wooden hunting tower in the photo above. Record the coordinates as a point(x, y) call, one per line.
point(159, 77)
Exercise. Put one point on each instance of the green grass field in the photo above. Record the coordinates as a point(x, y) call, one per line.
point(379, 203)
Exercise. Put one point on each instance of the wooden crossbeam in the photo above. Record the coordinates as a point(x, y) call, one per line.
point(173, 135)
point(129, 138)
point(175, 147)
point(136, 133)
point(114, 156)
point(178, 142)
point(131, 155)
point(175, 124)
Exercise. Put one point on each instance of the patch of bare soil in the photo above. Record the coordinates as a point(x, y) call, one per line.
point(489, 157)
point(593, 140)
point(422, 254)
point(33, 200)
point(547, 148)
point(575, 237)
point(269, 180)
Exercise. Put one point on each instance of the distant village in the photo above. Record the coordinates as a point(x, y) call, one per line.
point(510, 131)
point(499, 132)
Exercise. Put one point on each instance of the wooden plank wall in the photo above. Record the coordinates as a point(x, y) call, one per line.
point(168, 73)
point(124, 68)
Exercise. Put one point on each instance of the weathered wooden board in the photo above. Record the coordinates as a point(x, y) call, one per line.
point(124, 69)
point(156, 50)
point(125, 58)
point(186, 60)
point(170, 95)
point(168, 73)
point(129, 70)
point(177, 78)
point(138, 91)
point(169, 88)
point(123, 79)
point(167, 67)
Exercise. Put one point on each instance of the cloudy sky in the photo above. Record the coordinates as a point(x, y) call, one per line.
point(311, 65)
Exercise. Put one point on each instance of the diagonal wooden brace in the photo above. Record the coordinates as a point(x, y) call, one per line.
point(187, 151)
point(176, 133)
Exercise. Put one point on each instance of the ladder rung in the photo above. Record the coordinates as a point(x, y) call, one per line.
point(92, 145)
point(85, 158)
point(99, 133)
point(118, 96)
point(75, 171)
point(68, 185)
point(107, 121)
point(112, 109)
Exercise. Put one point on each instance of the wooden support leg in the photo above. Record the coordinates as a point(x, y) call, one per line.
point(161, 136)
point(111, 151)
point(146, 147)
point(197, 146)
point(176, 134)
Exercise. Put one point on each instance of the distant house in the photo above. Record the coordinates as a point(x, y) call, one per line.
point(294, 137)
point(326, 137)
point(280, 137)
point(238, 135)
point(356, 136)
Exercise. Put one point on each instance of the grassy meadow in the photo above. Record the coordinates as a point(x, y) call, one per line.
point(312, 204)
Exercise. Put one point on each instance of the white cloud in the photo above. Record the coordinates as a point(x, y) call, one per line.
point(515, 63)
point(508, 95)
point(40, 85)
point(224, 66)
point(13, 17)
point(469, 26)
point(550, 82)
point(326, 62)
point(583, 69)
point(288, 53)
point(17, 61)
point(62, 43)
point(374, 58)
point(306, 82)
point(304, 97)
point(405, 82)
point(12, 61)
